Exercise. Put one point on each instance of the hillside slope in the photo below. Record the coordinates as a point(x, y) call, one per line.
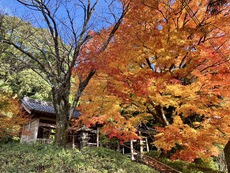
point(47, 158)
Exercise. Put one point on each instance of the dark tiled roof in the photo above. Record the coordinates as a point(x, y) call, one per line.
point(76, 114)
point(36, 105)
point(41, 106)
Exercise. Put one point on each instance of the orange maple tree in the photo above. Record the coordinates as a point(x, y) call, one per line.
point(169, 63)
point(99, 108)
point(11, 117)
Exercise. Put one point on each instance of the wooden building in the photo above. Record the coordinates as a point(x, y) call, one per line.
point(42, 124)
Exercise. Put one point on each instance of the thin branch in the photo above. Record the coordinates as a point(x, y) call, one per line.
point(26, 53)
point(81, 88)
point(116, 26)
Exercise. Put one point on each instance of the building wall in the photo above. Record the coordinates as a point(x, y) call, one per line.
point(30, 131)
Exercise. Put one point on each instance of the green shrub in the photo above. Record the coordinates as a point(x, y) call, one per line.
point(108, 160)
point(154, 153)
point(199, 166)
point(24, 158)
point(37, 158)
point(185, 167)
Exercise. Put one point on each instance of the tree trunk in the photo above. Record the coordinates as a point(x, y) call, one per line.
point(62, 107)
point(227, 155)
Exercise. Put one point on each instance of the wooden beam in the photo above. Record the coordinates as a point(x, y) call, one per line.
point(27, 109)
point(91, 144)
point(47, 125)
point(48, 118)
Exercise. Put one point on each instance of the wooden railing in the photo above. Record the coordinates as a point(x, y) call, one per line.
point(154, 163)
point(90, 144)
point(44, 141)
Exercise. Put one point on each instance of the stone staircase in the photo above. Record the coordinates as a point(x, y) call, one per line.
point(152, 162)
point(157, 165)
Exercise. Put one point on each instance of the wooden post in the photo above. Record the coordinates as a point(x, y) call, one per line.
point(98, 136)
point(29, 126)
point(131, 150)
point(34, 125)
point(118, 145)
point(123, 149)
point(23, 129)
point(141, 147)
point(147, 144)
point(73, 141)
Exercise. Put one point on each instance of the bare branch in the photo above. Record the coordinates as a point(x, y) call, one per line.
point(26, 53)
point(81, 88)
point(116, 26)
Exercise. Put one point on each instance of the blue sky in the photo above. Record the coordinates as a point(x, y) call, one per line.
point(8, 5)
point(13, 8)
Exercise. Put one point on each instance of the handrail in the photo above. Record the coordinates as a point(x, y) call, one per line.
point(44, 141)
point(154, 163)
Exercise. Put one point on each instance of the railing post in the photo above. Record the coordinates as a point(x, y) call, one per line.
point(141, 148)
point(131, 150)
point(98, 136)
